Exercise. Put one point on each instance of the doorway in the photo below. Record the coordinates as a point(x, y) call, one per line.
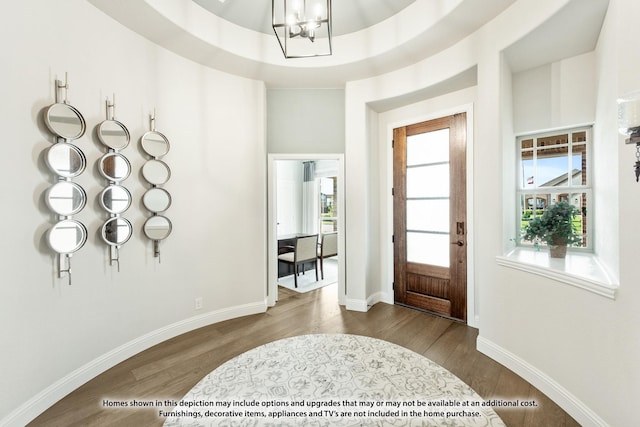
point(321, 208)
point(430, 226)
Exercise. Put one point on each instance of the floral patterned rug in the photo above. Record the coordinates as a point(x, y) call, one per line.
point(331, 380)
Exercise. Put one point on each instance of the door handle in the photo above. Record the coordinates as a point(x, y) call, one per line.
point(459, 243)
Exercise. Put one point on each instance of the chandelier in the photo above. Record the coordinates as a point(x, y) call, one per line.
point(303, 27)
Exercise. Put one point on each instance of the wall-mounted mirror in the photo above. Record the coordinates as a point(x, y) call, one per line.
point(66, 160)
point(156, 200)
point(113, 134)
point(156, 172)
point(66, 198)
point(114, 166)
point(67, 236)
point(155, 144)
point(65, 121)
point(157, 228)
point(116, 231)
point(115, 199)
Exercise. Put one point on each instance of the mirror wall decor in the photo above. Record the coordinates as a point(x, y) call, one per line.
point(156, 199)
point(115, 168)
point(65, 198)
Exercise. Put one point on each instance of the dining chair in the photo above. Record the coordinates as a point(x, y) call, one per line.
point(303, 251)
point(327, 248)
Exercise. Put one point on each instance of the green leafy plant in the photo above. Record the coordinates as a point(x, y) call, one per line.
point(555, 226)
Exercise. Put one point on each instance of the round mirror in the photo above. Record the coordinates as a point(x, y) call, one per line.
point(66, 160)
point(114, 166)
point(116, 231)
point(156, 172)
point(113, 134)
point(67, 236)
point(156, 200)
point(115, 199)
point(65, 121)
point(66, 198)
point(155, 144)
point(157, 227)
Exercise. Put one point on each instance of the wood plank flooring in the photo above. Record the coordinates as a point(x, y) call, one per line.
point(170, 369)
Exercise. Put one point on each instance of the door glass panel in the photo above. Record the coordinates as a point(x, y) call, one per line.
point(429, 147)
point(428, 215)
point(428, 248)
point(428, 181)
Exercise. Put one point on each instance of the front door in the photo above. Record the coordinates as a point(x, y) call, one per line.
point(429, 174)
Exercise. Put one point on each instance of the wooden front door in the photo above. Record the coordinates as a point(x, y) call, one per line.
point(429, 173)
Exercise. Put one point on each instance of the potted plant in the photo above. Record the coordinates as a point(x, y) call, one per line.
point(555, 227)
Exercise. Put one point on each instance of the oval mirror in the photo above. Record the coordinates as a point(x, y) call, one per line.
point(115, 199)
point(157, 227)
point(66, 198)
point(65, 121)
point(156, 200)
point(113, 134)
point(116, 231)
point(156, 172)
point(66, 160)
point(155, 144)
point(67, 236)
point(114, 166)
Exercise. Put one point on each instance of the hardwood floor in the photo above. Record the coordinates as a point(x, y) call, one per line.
point(170, 369)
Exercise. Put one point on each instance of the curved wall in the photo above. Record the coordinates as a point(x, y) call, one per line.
point(55, 336)
point(573, 345)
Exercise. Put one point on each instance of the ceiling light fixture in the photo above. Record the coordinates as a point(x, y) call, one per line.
point(303, 27)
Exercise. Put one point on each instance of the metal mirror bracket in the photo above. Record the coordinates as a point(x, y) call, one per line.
point(66, 161)
point(64, 266)
point(115, 256)
point(115, 137)
point(156, 145)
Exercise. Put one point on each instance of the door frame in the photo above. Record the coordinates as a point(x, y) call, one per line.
point(472, 312)
point(271, 295)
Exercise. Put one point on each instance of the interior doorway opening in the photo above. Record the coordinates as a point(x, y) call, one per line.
point(305, 198)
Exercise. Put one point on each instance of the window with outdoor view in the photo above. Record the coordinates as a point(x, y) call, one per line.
point(555, 167)
point(328, 204)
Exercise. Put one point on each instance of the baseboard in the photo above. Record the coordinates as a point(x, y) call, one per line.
point(50, 395)
point(556, 392)
point(357, 305)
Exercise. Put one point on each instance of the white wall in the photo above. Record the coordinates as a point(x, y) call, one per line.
point(579, 347)
point(55, 336)
point(305, 121)
point(555, 95)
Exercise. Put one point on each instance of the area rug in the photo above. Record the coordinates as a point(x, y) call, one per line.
point(307, 282)
point(331, 380)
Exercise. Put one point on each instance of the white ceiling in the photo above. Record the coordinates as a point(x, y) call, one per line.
point(371, 37)
point(348, 15)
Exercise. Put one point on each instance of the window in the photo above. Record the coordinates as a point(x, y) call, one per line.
point(554, 167)
point(328, 204)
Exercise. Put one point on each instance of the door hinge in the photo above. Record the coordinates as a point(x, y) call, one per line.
point(393, 238)
point(393, 286)
point(392, 143)
point(393, 191)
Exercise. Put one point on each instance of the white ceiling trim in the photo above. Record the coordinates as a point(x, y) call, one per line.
point(421, 29)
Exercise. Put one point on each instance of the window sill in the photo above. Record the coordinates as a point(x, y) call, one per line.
point(582, 270)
